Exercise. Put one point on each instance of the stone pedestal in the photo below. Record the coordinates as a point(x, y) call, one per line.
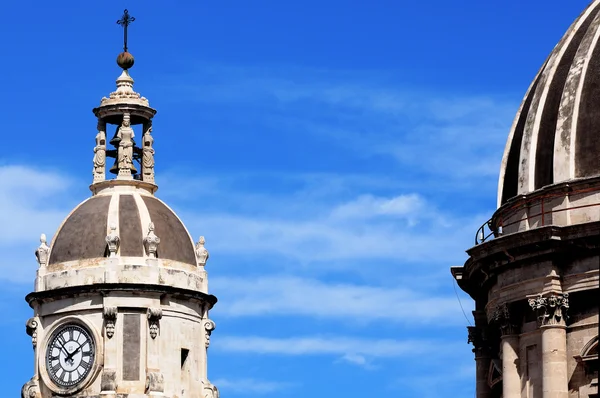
point(554, 362)
point(511, 381)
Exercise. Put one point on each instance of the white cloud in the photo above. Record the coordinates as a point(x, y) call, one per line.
point(338, 346)
point(293, 296)
point(26, 200)
point(251, 386)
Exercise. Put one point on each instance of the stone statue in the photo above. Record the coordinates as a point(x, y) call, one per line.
point(100, 153)
point(151, 242)
point(42, 251)
point(113, 241)
point(148, 156)
point(125, 151)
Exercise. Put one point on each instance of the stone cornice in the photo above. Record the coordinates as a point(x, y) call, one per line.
point(105, 288)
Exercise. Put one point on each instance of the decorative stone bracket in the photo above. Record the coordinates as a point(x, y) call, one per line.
point(502, 317)
point(108, 382)
point(110, 318)
point(31, 330)
point(552, 310)
point(209, 326)
point(31, 389)
point(154, 316)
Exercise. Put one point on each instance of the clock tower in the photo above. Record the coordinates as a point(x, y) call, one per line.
point(121, 302)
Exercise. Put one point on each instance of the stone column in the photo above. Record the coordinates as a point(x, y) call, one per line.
point(511, 380)
point(478, 337)
point(551, 314)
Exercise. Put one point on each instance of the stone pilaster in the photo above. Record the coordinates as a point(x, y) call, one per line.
point(552, 314)
point(511, 380)
point(154, 378)
point(108, 381)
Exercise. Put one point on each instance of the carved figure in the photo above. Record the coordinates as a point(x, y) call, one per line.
point(154, 316)
point(552, 310)
point(41, 253)
point(151, 242)
point(110, 318)
point(100, 153)
point(113, 241)
point(201, 252)
point(148, 155)
point(125, 151)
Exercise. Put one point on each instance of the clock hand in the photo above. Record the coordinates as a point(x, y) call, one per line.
point(70, 356)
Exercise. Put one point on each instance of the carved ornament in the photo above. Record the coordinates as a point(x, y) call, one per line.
point(552, 310)
point(154, 316)
point(110, 319)
point(201, 252)
point(113, 241)
point(502, 317)
point(151, 242)
point(209, 326)
point(31, 330)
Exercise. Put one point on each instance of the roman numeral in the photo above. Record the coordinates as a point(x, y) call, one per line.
point(56, 367)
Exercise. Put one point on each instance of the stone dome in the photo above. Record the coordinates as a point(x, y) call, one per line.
point(82, 235)
point(555, 136)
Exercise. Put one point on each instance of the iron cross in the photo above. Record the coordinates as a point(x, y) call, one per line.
point(125, 20)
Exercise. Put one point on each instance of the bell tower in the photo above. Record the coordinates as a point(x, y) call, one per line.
point(121, 303)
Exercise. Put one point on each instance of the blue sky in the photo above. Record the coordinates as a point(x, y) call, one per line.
point(338, 156)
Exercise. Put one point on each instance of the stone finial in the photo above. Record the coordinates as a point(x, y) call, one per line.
point(110, 318)
point(209, 326)
point(124, 92)
point(113, 241)
point(31, 330)
point(552, 310)
point(41, 253)
point(201, 252)
point(151, 242)
point(154, 316)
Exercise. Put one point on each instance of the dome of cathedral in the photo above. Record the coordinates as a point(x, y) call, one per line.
point(555, 136)
point(129, 215)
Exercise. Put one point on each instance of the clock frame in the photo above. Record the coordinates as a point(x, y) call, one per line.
point(47, 354)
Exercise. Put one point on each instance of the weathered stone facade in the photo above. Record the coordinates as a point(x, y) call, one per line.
point(121, 298)
point(535, 276)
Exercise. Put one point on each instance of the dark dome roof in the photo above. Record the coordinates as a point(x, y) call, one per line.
point(556, 134)
point(83, 233)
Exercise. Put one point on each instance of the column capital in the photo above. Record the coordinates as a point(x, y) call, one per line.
point(502, 317)
point(478, 338)
point(551, 309)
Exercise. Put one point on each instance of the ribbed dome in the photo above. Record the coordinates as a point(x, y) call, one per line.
point(555, 136)
point(82, 235)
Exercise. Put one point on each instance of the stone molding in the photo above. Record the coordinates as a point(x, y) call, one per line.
point(31, 329)
point(502, 317)
point(552, 310)
point(154, 316)
point(110, 318)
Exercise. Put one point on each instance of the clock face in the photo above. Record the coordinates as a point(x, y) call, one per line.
point(70, 355)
